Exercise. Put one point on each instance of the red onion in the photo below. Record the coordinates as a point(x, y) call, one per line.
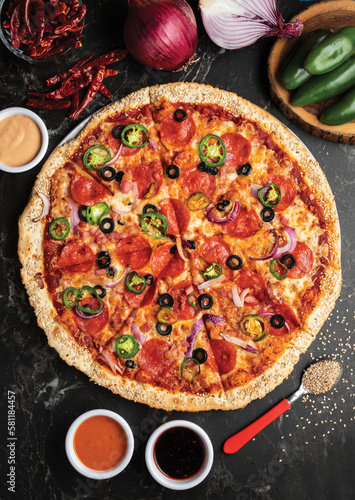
point(180, 250)
point(112, 285)
point(234, 24)
point(192, 336)
point(115, 158)
point(254, 188)
point(269, 313)
point(214, 319)
point(289, 246)
point(208, 283)
point(240, 343)
point(74, 218)
point(229, 157)
point(138, 334)
point(273, 252)
point(153, 143)
point(45, 209)
point(39, 279)
point(239, 299)
point(83, 315)
point(136, 196)
point(233, 214)
point(161, 33)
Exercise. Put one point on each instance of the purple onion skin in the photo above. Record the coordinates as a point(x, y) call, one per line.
point(161, 34)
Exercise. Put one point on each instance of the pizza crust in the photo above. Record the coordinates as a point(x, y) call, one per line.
point(31, 240)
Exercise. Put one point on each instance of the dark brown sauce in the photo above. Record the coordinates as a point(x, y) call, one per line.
point(179, 453)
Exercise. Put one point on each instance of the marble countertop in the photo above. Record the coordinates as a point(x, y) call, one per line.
point(307, 454)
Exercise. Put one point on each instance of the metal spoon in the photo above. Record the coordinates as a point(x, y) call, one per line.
point(234, 443)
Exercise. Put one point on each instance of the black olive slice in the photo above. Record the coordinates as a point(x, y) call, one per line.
point(203, 167)
point(149, 279)
point(166, 300)
point(111, 272)
point(173, 249)
point(104, 259)
point(277, 321)
point(164, 329)
point(205, 301)
point(130, 363)
point(288, 260)
point(213, 170)
point(119, 176)
point(117, 131)
point(192, 245)
point(107, 225)
point(82, 213)
point(200, 355)
point(234, 262)
point(149, 208)
point(101, 291)
point(108, 174)
point(245, 169)
point(173, 171)
point(180, 115)
point(121, 222)
point(267, 214)
point(222, 205)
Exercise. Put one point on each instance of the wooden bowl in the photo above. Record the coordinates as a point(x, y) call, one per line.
point(324, 15)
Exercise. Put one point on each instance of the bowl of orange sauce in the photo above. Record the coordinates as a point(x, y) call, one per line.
point(99, 444)
point(23, 139)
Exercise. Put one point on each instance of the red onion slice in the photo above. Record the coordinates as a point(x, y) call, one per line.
point(290, 245)
point(115, 158)
point(138, 334)
point(238, 299)
point(74, 218)
point(208, 283)
point(229, 157)
point(83, 315)
point(230, 217)
point(153, 143)
point(180, 250)
point(214, 319)
point(192, 336)
point(254, 188)
point(119, 211)
point(272, 253)
point(39, 280)
point(136, 195)
point(45, 208)
point(268, 313)
point(112, 285)
point(240, 343)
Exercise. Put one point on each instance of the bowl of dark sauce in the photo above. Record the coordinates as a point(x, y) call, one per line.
point(179, 455)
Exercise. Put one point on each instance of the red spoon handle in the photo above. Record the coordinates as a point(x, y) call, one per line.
point(234, 443)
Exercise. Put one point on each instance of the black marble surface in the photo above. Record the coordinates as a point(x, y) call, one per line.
point(306, 454)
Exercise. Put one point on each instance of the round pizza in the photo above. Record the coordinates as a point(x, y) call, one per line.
point(183, 250)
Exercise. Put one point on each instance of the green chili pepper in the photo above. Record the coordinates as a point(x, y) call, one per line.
point(198, 201)
point(126, 346)
point(96, 156)
point(59, 228)
point(190, 368)
point(276, 268)
point(211, 272)
point(154, 224)
point(342, 111)
point(71, 296)
point(135, 135)
point(95, 213)
point(212, 151)
point(193, 304)
point(133, 279)
point(85, 308)
point(254, 326)
point(272, 196)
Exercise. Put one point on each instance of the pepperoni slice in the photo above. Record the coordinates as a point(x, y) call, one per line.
point(161, 258)
point(151, 357)
point(146, 175)
point(252, 280)
point(225, 354)
point(76, 257)
point(177, 134)
point(195, 181)
point(92, 326)
point(149, 295)
point(237, 145)
point(289, 316)
point(175, 267)
point(177, 214)
point(134, 299)
point(245, 225)
point(181, 307)
point(304, 261)
point(87, 191)
point(115, 144)
point(134, 251)
point(167, 209)
point(288, 191)
point(215, 250)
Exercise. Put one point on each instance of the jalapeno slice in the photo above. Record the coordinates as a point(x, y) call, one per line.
point(198, 201)
point(96, 156)
point(192, 302)
point(87, 308)
point(270, 195)
point(154, 224)
point(212, 151)
point(166, 316)
point(95, 213)
point(135, 135)
point(71, 296)
point(213, 271)
point(135, 283)
point(126, 346)
point(278, 270)
point(151, 191)
point(190, 368)
point(254, 326)
point(59, 228)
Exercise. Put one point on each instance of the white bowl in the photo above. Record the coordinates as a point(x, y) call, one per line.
point(178, 484)
point(44, 132)
point(78, 465)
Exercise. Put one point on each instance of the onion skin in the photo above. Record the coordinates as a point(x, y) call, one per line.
point(161, 34)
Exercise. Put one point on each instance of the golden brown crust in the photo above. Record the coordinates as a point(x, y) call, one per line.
point(30, 252)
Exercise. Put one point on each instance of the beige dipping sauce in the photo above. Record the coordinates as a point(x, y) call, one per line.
point(20, 140)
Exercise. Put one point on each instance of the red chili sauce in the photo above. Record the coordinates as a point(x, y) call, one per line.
point(179, 453)
point(100, 443)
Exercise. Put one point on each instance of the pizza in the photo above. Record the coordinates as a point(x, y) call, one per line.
point(183, 250)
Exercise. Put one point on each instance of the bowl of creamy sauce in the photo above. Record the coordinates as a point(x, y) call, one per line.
point(99, 444)
point(23, 139)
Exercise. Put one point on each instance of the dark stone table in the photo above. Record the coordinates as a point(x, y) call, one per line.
point(308, 454)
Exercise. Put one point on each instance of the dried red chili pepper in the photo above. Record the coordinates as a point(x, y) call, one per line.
point(90, 94)
point(71, 23)
point(105, 91)
point(63, 74)
point(47, 104)
point(14, 27)
point(106, 59)
point(74, 102)
point(68, 90)
point(27, 16)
